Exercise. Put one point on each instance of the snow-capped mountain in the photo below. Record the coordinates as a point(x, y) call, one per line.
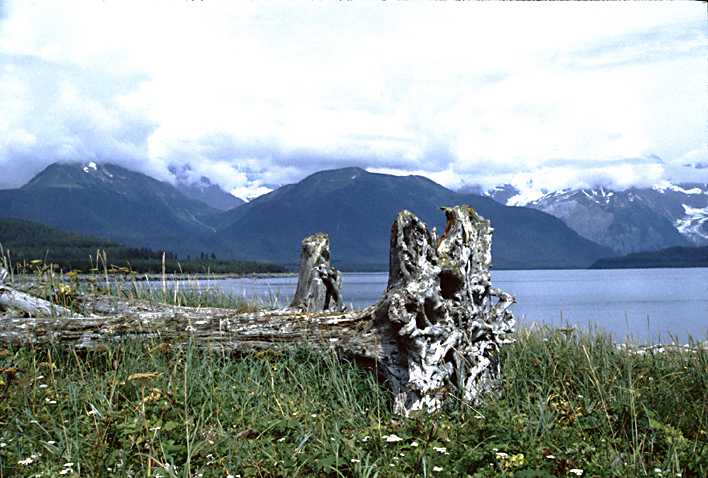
point(633, 220)
point(687, 207)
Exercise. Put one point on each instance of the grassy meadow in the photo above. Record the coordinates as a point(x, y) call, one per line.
point(569, 403)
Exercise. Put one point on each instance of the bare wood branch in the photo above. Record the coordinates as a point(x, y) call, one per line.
point(12, 299)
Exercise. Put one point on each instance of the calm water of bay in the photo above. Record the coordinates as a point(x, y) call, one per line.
point(647, 305)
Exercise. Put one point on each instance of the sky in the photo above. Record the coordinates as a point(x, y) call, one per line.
point(252, 95)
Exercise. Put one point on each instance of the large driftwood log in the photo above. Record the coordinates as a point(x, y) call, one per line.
point(319, 286)
point(438, 326)
point(219, 329)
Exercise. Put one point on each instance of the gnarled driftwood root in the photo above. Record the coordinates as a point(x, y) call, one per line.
point(448, 322)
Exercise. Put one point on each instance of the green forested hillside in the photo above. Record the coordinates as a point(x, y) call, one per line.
point(666, 258)
point(25, 241)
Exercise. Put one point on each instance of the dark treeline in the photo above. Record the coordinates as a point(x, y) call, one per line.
point(22, 242)
point(680, 256)
point(172, 266)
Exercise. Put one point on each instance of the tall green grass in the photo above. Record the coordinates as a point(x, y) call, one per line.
point(189, 293)
point(568, 403)
point(611, 409)
point(66, 289)
point(137, 408)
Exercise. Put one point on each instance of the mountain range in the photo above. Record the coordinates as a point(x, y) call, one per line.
point(628, 221)
point(356, 208)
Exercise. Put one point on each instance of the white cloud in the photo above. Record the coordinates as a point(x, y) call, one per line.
point(259, 94)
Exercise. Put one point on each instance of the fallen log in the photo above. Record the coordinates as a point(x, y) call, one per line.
point(31, 305)
point(437, 327)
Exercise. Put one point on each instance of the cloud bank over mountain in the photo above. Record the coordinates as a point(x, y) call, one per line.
point(252, 95)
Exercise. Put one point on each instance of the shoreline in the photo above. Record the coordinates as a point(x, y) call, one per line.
point(119, 276)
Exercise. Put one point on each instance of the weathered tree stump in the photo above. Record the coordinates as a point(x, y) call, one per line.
point(437, 327)
point(319, 286)
point(439, 305)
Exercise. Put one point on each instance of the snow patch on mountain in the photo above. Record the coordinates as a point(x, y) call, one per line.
point(96, 170)
point(600, 196)
point(527, 196)
point(692, 225)
point(666, 186)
